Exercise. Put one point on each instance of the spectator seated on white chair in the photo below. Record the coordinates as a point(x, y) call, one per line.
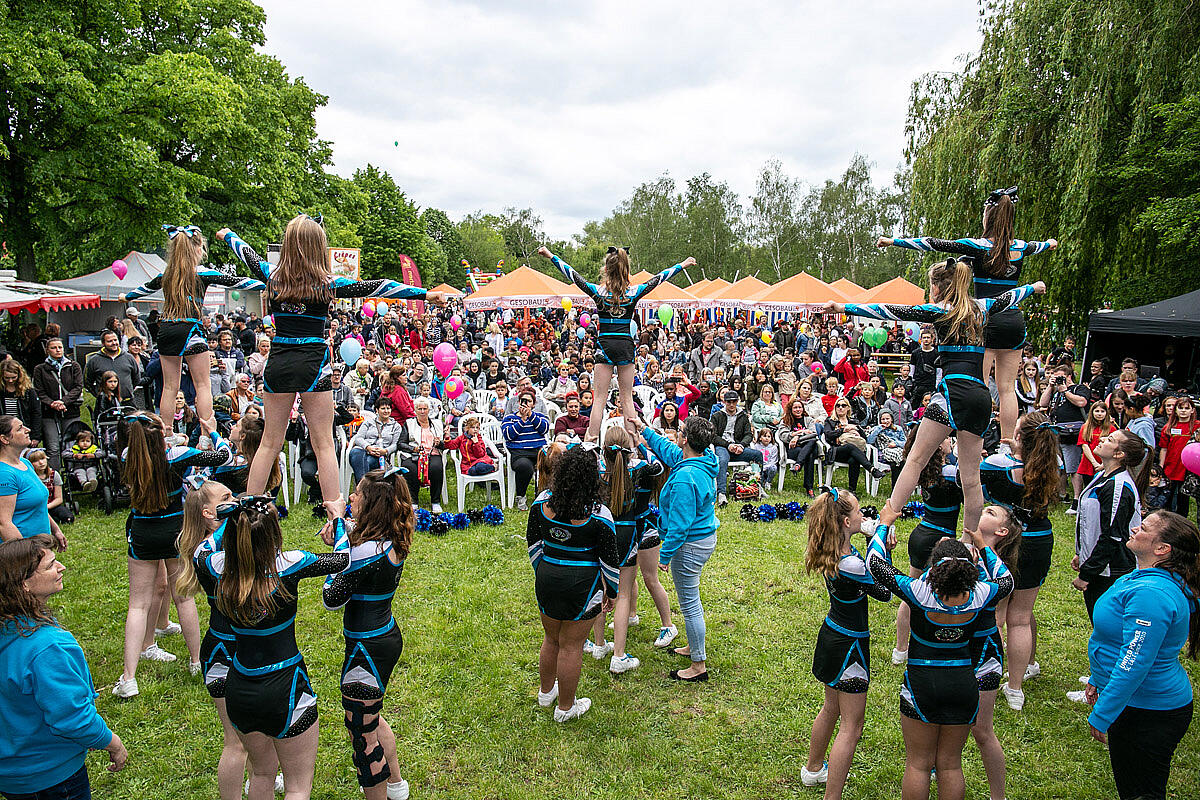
point(731, 427)
point(478, 460)
point(420, 449)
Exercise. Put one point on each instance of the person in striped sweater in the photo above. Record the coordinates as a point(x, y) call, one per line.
point(525, 435)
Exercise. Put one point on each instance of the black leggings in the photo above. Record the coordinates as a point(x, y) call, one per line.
point(1096, 587)
point(1177, 501)
point(1140, 746)
point(524, 463)
point(805, 454)
point(849, 454)
point(437, 468)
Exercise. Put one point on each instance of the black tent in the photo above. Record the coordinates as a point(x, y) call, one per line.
point(1144, 332)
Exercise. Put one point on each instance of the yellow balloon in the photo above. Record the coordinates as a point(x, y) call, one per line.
point(566, 304)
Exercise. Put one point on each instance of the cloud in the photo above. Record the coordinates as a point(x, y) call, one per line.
point(566, 106)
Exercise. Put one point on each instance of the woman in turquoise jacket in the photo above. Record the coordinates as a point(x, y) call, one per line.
point(688, 525)
point(47, 701)
point(1141, 695)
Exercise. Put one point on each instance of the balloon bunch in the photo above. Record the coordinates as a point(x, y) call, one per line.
point(790, 512)
point(440, 524)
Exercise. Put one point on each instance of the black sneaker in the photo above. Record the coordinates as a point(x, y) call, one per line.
point(879, 473)
point(1074, 509)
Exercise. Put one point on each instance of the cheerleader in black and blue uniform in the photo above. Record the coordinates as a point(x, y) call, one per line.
point(268, 695)
point(299, 291)
point(180, 332)
point(154, 474)
point(997, 260)
point(202, 535)
point(842, 658)
point(573, 548)
point(626, 482)
point(616, 304)
point(939, 699)
point(942, 497)
point(378, 542)
point(1026, 481)
point(962, 402)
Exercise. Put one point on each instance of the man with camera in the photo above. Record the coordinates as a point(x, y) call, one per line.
point(1067, 404)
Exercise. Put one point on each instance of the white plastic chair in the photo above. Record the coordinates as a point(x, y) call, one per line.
point(649, 398)
point(781, 438)
point(283, 486)
point(483, 400)
point(292, 465)
point(872, 481)
point(499, 477)
point(553, 412)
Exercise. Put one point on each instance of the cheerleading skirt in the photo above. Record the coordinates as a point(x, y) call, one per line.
point(181, 338)
point(842, 659)
point(297, 367)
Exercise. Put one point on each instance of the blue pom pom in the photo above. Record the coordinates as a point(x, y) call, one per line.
point(766, 512)
point(447, 518)
point(423, 519)
point(493, 515)
point(460, 522)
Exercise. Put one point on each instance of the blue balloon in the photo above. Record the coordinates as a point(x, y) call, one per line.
point(580, 333)
point(350, 351)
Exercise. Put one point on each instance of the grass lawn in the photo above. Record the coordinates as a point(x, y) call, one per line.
point(462, 699)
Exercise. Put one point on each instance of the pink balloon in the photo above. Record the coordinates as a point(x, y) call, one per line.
point(455, 322)
point(585, 319)
point(368, 310)
point(120, 269)
point(445, 358)
point(454, 387)
point(1191, 457)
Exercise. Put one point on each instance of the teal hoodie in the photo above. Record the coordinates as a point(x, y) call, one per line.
point(47, 709)
point(688, 500)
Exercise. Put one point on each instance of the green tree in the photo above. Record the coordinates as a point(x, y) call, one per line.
point(773, 221)
point(650, 222)
point(523, 234)
point(439, 228)
point(1063, 99)
point(121, 115)
point(482, 243)
point(713, 226)
point(392, 226)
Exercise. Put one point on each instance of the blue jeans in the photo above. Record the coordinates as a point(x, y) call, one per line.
point(481, 468)
point(685, 569)
point(723, 459)
point(362, 463)
point(75, 787)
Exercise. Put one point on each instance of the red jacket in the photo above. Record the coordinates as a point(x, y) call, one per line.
point(417, 341)
point(1172, 440)
point(851, 375)
point(402, 404)
point(474, 451)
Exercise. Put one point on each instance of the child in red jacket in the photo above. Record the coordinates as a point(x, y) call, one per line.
point(475, 457)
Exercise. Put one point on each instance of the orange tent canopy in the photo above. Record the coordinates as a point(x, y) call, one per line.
point(698, 285)
point(794, 294)
point(897, 291)
point(447, 290)
point(640, 277)
point(847, 287)
point(738, 291)
point(670, 295)
point(522, 288)
point(714, 286)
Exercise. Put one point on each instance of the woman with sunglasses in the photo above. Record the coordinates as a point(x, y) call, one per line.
point(379, 540)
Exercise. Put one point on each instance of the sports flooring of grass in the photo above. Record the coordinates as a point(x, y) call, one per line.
point(462, 698)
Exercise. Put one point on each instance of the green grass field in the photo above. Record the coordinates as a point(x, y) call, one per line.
point(462, 699)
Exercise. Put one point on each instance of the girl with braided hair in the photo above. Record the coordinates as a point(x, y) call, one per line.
point(842, 658)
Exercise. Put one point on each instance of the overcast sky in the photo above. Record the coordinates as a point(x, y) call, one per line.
point(566, 106)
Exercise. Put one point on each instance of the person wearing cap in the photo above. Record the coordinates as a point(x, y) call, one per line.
point(731, 428)
point(134, 316)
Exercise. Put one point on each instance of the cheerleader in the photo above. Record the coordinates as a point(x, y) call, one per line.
point(299, 291)
point(1026, 481)
point(616, 305)
point(962, 402)
point(268, 695)
point(573, 549)
point(203, 534)
point(181, 333)
point(625, 478)
point(943, 499)
point(842, 659)
point(996, 260)
point(154, 475)
point(378, 542)
point(939, 699)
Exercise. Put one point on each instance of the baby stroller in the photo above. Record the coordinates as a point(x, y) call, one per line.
point(109, 491)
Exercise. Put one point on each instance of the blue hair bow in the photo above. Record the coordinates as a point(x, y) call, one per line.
point(831, 490)
point(394, 471)
point(258, 503)
point(175, 230)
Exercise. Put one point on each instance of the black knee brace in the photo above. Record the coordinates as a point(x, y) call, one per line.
point(369, 761)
